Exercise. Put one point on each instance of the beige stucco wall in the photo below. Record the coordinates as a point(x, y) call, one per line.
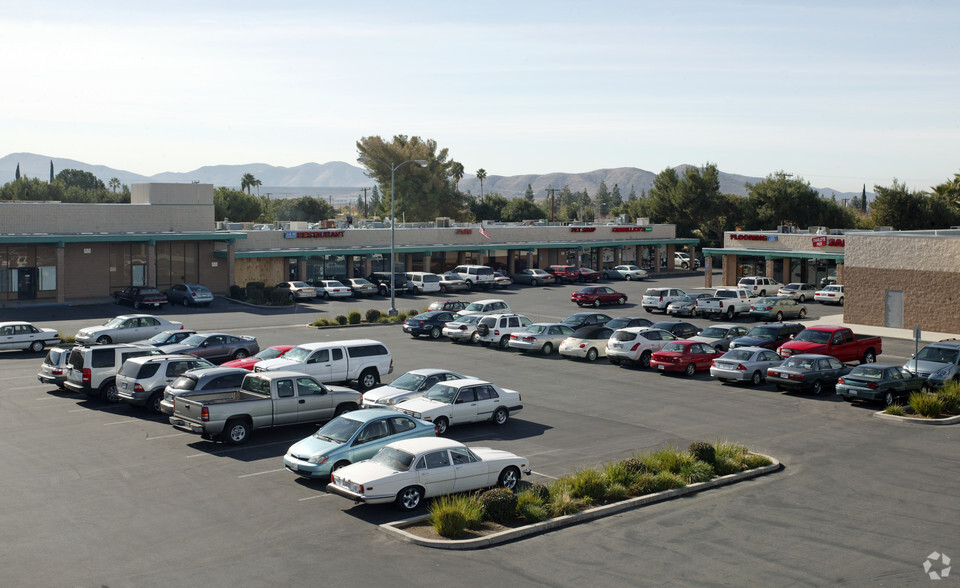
point(781, 241)
point(269, 270)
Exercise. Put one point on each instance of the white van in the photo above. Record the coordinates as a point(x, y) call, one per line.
point(476, 275)
point(363, 360)
point(423, 282)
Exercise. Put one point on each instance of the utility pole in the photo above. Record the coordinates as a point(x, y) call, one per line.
point(553, 207)
point(364, 201)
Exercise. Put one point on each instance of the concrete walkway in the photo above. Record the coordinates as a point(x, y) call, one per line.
point(925, 336)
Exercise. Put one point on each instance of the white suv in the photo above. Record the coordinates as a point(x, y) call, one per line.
point(496, 328)
point(660, 298)
point(423, 282)
point(635, 345)
point(760, 286)
point(490, 306)
point(92, 369)
point(476, 275)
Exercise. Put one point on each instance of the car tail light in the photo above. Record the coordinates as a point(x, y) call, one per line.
point(436, 432)
point(463, 327)
point(421, 323)
point(661, 298)
point(497, 332)
point(204, 414)
point(741, 367)
point(194, 294)
point(721, 304)
point(529, 338)
point(635, 346)
point(582, 345)
point(57, 372)
point(840, 381)
point(138, 388)
point(796, 376)
point(873, 386)
point(85, 375)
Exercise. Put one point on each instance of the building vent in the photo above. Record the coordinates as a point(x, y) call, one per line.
point(643, 221)
point(443, 222)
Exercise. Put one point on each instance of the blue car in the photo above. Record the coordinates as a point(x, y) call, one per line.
point(351, 437)
point(428, 323)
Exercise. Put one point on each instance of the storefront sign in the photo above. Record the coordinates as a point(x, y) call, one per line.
point(827, 242)
point(752, 237)
point(582, 229)
point(312, 234)
point(631, 229)
point(464, 231)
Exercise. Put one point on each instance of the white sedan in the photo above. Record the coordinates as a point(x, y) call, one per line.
point(333, 289)
point(21, 335)
point(405, 472)
point(410, 385)
point(455, 402)
point(625, 272)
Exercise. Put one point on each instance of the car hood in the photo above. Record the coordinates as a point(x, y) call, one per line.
point(246, 363)
point(702, 339)
point(177, 348)
point(683, 303)
point(421, 405)
point(930, 367)
point(384, 392)
point(367, 472)
point(279, 363)
point(803, 345)
point(752, 342)
point(313, 446)
point(488, 454)
point(93, 330)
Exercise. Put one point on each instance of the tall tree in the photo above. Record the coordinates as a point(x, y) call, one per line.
point(456, 172)
point(519, 209)
point(528, 194)
point(51, 171)
point(615, 198)
point(235, 205)
point(248, 181)
point(114, 183)
point(18, 171)
point(481, 175)
point(83, 180)
point(863, 199)
point(904, 209)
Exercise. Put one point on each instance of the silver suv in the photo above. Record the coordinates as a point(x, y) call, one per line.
point(201, 381)
point(938, 362)
point(53, 370)
point(92, 369)
point(496, 328)
point(142, 380)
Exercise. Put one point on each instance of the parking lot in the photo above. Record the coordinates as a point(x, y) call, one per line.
point(97, 494)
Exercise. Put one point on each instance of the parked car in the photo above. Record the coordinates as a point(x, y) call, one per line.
point(410, 385)
point(542, 337)
point(686, 357)
point(476, 276)
point(456, 402)
point(382, 281)
point(22, 335)
point(586, 319)
point(597, 295)
point(876, 382)
point(428, 323)
point(496, 328)
point(167, 337)
point(938, 362)
point(622, 322)
point(361, 287)
point(328, 289)
point(53, 370)
point(449, 305)
point(625, 272)
point(768, 335)
point(297, 290)
point(248, 363)
point(207, 380)
point(463, 329)
point(488, 306)
point(406, 472)
point(726, 303)
point(660, 298)
point(502, 280)
point(585, 274)
point(682, 330)
point(451, 283)
point(534, 277)
point(777, 308)
point(563, 273)
point(587, 343)
point(142, 380)
point(216, 347)
point(839, 342)
point(423, 282)
point(759, 285)
point(634, 345)
point(744, 364)
point(350, 438)
point(126, 328)
point(92, 369)
point(720, 336)
point(807, 373)
point(832, 294)
point(362, 360)
point(798, 291)
point(682, 261)
point(190, 294)
point(140, 296)
point(686, 305)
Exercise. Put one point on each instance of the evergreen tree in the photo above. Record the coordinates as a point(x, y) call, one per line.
point(863, 199)
point(529, 193)
point(615, 198)
point(633, 194)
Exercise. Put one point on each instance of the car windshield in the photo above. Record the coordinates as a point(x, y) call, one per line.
point(813, 336)
point(339, 430)
point(441, 393)
point(201, 289)
point(652, 292)
point(408, 381)
point(536, 329)
point(333, 284)
point(832, 289)
point(361, 282)
point(738, 355)
point(268, 353)
point(624, 336)
point(431, 278)
point(676, 347)
point(194, 340)
point(793, 286)
point(184, 383)
point(300, 284)
point(714, 333)
point(804, 363)
point(687, 298)
point(393, 458)
point(490, 321)
point(869, 373)
point(765, 333)
point(938, 354)
point(297, 354)
point(469, 319)
point(114, 322)
point(764, 301)
point(475, 306)
point(256, 385)
point(159, 338)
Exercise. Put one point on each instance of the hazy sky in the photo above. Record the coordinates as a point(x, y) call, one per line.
point(840, 93)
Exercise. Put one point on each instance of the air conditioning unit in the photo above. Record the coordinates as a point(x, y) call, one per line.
point(643, 221)
point(786, 229)
point(443, 222)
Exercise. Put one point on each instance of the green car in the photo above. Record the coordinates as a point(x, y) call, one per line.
point(876, 382)
point(777, 308)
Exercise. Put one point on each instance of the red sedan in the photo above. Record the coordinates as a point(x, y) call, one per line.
point(684, 356)
point(247, 363)
point(597, 295)
point(585, 274)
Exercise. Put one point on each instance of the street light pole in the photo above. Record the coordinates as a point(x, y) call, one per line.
point(393, 222)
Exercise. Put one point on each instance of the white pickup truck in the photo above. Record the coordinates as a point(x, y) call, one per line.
point(726, 302)
point(264, 400)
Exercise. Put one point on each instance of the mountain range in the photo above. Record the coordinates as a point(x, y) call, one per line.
point(343, 181)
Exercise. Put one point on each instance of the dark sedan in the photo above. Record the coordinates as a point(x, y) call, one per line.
point(686, 305)
point(622, 322)
point(807, 373)
point(139, 296)
point(585, 319)
point(215, 347)
point(768, 335)
point(679, 329)
point(597, 295)
point(428, 323)
point(875, 382)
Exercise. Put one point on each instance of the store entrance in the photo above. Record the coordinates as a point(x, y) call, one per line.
point(27, 283)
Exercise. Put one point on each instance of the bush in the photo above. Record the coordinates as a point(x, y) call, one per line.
point(341, 320)
point(927, 405)
point(563, 503)
point(619, 472)
point(237, 293)
point(754, 460)
point(255, 292)
point(412, 313)
point(703, 451)
point(447, 520)
point(696, 471)
point(588, 484)
point(669, 480)
point(951, 397)
point(531, 505)
point(895, 409)
point(277, 297)
point(730, 458)
point(353, 317)
point(373, 315)
point(616, 493)
point(645, 483)
point(541, 491)
point(636, 465)
point(499, 505)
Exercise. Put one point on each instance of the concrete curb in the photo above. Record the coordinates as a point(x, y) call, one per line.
point(396, 528)
point(954, 420)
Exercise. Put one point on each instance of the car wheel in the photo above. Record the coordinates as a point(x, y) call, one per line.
point(580, 304)
point(136, 304)
point(185, 301)
point(509, 478)
point(730, 313)
point(802, 298)
point(722, 380)
point(622, 300)
point(840, 302)
point(889, 399)
point(409, 498)
point(534, 282)
point(241, 354)
point(613, 361)
point(500, 416)
point(645, 359)
point(547, 348)
point(816, 388)
point(627, 277)
point(108, 392)
point(592, 354)
point(435, 333)
point(781, 388)
point(440, 425)
point(415, 335)
point(368, 379)
point(848, 399)
point(756, 378)
point(153, 403)
point(104, 340)
point(763, 293)
point(779, 317)
point(802, 313)
point(693, 312)
point(475, 337)
point(469, 285)
point(690, 370)
point(384, 291)
point(596, 303)
point(869, 357)
point(340, 464)
point(345, 407)
point(504, 342)
point(236, 432)
point(648, 309)
point(36, 346)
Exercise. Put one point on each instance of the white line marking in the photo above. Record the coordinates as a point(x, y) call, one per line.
point(165, 436)
point(312, 497)
point(121, 422)
point(47, 398)
point(261, 473)
point(544, 475)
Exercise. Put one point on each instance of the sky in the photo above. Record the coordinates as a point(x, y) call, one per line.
point(841, 93)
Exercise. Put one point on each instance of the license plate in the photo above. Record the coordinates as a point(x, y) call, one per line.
point(123, 385)
point(852, 392)
point(661, 367)
point(618, 345)
point(292, 466)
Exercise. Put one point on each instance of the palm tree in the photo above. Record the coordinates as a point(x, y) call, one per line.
point(456, 170)
point(248, 181)
point(481, 174)
point(114, 183)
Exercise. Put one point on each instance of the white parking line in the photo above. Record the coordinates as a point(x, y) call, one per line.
point(121, 422)
point(544, 475)
point(314, 496)
point(261, 473)
point(166, 436)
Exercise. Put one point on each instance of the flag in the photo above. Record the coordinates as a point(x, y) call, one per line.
point(484, 232)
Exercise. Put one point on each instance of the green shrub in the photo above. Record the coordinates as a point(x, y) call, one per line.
point(277, 297)
point(645, 483)
point(667, 459)
point(67, 340)
point(255, 292)
point(412, 313)
point(373, 315)
point(669, 480)
point(755, 460)
point(895, 409)
point(616, 492)
point(950, 394)
point(563, 503)
point(237, 293)
point(353, 317)
point(531, 505)
point(385, 320)
point(341, 320)
point(696, 471)
point(730, 458)
point(322, 322)
point(636, 465)
point(448, 521)
point(499, 505)
point(533, 513)
point(618, 472)
point(727, 465)
point(703, 451)
point(588, 484)
point(927, 405)
point(540, 490)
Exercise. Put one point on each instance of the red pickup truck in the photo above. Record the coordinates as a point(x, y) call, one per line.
point(839, 342)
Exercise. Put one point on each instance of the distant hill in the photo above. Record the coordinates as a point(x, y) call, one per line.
point(343, 181)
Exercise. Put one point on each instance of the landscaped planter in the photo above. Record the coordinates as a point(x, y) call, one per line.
point(919, 420)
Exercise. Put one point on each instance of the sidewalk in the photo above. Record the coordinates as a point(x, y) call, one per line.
point(925, 336)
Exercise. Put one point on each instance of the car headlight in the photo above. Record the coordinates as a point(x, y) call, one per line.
point(388, 401)
point(418, 415)
point(940, 374)
point(318, 459)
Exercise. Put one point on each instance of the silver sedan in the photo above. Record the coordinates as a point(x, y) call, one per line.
point(744, 364)
point(543, 337)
